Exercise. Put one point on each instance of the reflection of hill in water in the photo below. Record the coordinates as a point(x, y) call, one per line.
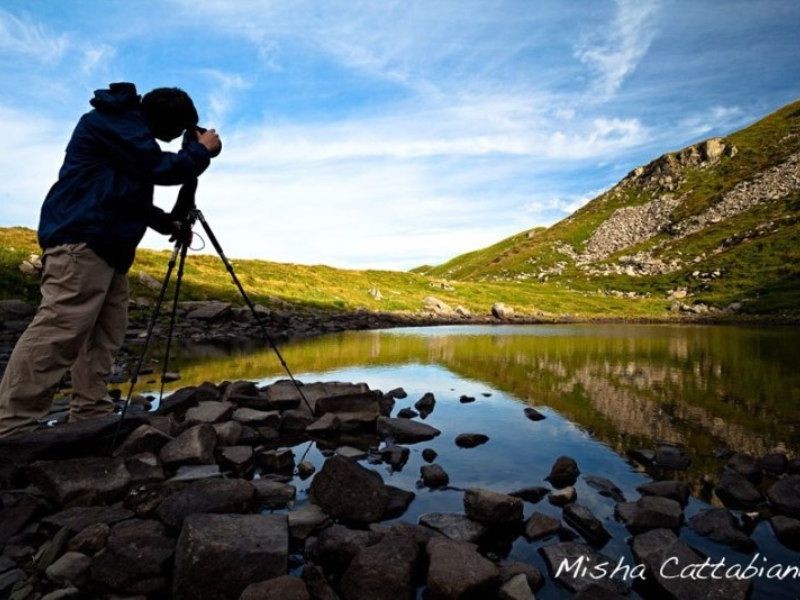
point(704, 387)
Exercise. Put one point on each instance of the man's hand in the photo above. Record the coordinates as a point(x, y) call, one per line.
point(181, 233)
point(211, 141)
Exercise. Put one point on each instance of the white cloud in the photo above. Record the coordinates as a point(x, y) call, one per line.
point(221, 100)
point(94, 56)
point(23, 36)
point(613, 52)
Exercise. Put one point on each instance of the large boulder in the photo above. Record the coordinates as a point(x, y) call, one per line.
point(195, 446)
point(181, 400)
point(540, 525)
point(571, 564)
point(273, 494)
point(492, 508)
point(143, 439)
point(502, 311)
point(655, 548)
point(434, 476)
point(582, 519)
point(737, 492)
point(405, 430)
point(721, 526)
point(346, 490)
point(285, 587)
point(218, 556)
point(136, 558)
point(650, 512)
point(92, 479)
point(209, 412)
point(351, 409)
point(675, 490)
point(383, 571)
point(78, 518)
point(564, 472)
point(337, 545)
point(784, 495)
point(206, 496)
point(455, 526)
point(456, 570)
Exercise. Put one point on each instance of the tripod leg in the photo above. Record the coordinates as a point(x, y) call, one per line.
point(250, 305)
point(181, 263)
point(150, 326)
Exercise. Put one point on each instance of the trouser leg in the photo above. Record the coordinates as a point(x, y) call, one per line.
point(92, 369)
point(74, 286)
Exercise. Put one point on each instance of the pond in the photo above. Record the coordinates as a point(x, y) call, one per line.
point(604, 389)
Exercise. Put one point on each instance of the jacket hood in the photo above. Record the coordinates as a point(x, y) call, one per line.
point(117, 98)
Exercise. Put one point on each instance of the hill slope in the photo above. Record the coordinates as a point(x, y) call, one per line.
point(717, 221)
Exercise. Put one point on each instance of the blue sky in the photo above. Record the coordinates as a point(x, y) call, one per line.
point(392, 134)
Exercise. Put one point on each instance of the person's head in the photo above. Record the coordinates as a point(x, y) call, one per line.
point(168, 112)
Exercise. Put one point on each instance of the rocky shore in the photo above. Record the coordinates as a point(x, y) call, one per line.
point(200, 499)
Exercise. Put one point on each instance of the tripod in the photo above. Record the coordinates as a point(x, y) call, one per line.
point(179, 256)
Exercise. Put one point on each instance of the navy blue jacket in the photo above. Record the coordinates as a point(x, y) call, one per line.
point(104, 192)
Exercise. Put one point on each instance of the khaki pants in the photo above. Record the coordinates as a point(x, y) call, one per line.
point(80, 324)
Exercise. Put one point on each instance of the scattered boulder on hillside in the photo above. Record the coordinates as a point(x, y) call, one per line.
point(502, 311)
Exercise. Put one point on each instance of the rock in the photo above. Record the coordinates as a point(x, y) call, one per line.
point(11, 310)
point(581, 519)
point(721, 526)
point(470, 440)
point(429, 455)
point(51, 549)
point(540, 526)
point(295, 421)
point(143, 439)
point(512, 568)
point(784, 495)
point(91, 478)
point(181, 400)
point(736, 492)
point(357, 408)
point(491, 508)
point(426, 404)
point(228, 433)
point(90, 540)
point(78, 518)
point(196, 472)
point(305, 520)
point(136, 558)
point(516, 588)
point(218, 556)
point(276, 461)
point(316, 584)
point(563, 496)
point(407, 413)
point(793, 466)
point(564, 472)
point(654, 548)
point(398, 393)
point(238, 459)
point(350, 453)
point(195, 446)
point(206, 311)
point(775, 463)
point(530, 494)
point(642, 456)
point(15, 517)
point(327, 424)
point(397, 502)
point(746, 465)
point(533, 414)
point(170, 376)
point(395, 455)
point(456, 570)
point(436, 306)
point(605, 487)
point(144, 468)
point(787, 530)
point(502, 311)
point(675, 490)
point(285, 587)
point(650, 512)
point(306, 469)
point(70, 568)
point(434, 476)
point(206, 496)
point(455, 526)
point(209, 412)
point(346, 490)
point(273, 494)
point(255, 418)
point(10, 579)
point(67, 592)
point(335, 546)
point(578, 560)
point(405, 430)
point(671, 457)
point(383, 571)
point(466, 399)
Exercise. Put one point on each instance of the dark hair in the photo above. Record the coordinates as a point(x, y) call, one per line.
point(168, 111)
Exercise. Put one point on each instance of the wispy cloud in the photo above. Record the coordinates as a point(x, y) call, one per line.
point(613, 51)
point(23, 36)
point(221, 99)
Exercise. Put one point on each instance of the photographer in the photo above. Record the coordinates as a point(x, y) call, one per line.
point(91, 222)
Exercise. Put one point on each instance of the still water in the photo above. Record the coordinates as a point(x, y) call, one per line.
point(604, 390)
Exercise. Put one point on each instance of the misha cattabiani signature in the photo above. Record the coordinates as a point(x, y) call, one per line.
point(670, 568)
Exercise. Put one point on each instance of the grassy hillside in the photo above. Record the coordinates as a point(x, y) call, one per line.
point(756, 253)
point(325, 288)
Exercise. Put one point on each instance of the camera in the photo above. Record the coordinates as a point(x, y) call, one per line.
point(190, 135)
